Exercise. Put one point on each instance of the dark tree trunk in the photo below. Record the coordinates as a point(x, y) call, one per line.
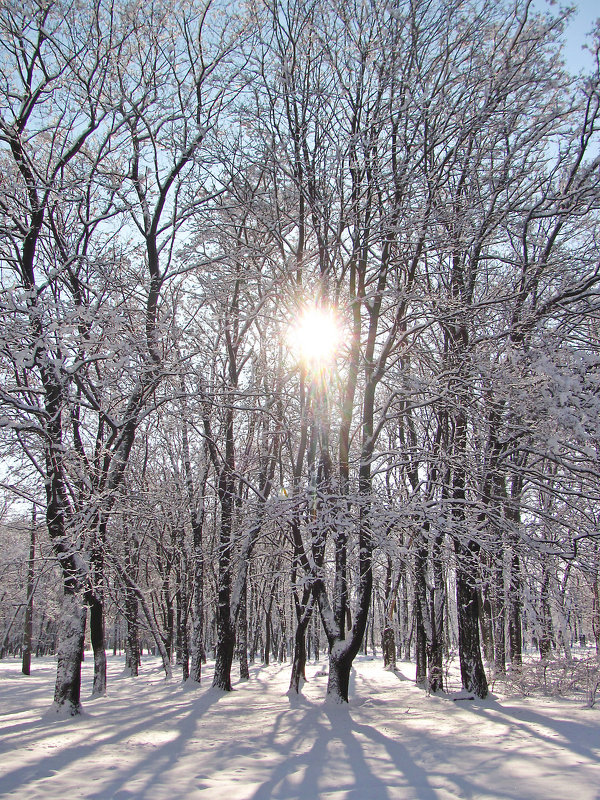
point(178, 620)
point(225, 630)
point(428, 621)
point(243, 635)
point(485, 620)
point(435, 655)
point(303, 610)
point(515, 632)
point(420, 645)
point(546, 632)
point(471, 665)
point(596, 611)
point(298, 675)
point(405, 627)
point(181, 617)
point(515, 589)
point(132, 645)
point(498, 615)
point(97, 639)
point(338, 682)
point(28, 626)
point(198, 653)
point(224, 657)
point(226, 488)
point(342, 653)
point(388, 645)
point(388, 638)
point(95, 600)
point(67, 690)
point(267, 654)
point(168, 613)
point(185, 645)
point(40, 642)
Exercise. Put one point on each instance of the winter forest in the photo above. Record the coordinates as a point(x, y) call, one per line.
point(300, 341)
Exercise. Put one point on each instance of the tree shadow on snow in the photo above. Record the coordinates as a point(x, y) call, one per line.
point(577, 737)
point(158, 759)
point(342, 746)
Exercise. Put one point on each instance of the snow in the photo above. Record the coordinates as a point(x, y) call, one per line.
point(156, 739)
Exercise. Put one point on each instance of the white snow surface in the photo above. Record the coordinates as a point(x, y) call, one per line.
point(156, 739)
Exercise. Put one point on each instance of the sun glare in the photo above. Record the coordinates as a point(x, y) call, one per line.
point(315, 336)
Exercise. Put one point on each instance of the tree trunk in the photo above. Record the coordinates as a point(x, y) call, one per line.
point(596, 611)
point(515, 593)
point(160, 645)
point(197, 648)
point(67, 691)
point(435, 654)
point(243, 635)
point(484, 607)
point(338, 681)
point(498, 615)
point(303, 609)
point(225, 630)
point(40, 643)
point(298, 675)
point(546, 632)
point(95, 600)
point(267, 653)
point(420, 646)
point(405, 627)
point(388, 638)
point(471, 665)
point(97, 639)
point(388, 646)
point(185, 648)
point(224, 657)
point(132, 645)
point(225, 625)
point(28, 626)
point(515, 633)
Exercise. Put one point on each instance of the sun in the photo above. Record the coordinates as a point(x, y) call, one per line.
point(315, 336)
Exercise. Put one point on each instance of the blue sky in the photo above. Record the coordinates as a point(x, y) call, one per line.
point(581, 24)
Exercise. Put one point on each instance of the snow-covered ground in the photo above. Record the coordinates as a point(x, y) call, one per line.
point(149, 738)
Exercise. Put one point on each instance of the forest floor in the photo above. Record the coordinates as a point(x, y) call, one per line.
point(156, 739)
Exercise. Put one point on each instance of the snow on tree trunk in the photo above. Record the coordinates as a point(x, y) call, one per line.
point(67, 691)
point(338, 681)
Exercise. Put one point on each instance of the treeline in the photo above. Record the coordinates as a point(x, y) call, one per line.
point(180, 183)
